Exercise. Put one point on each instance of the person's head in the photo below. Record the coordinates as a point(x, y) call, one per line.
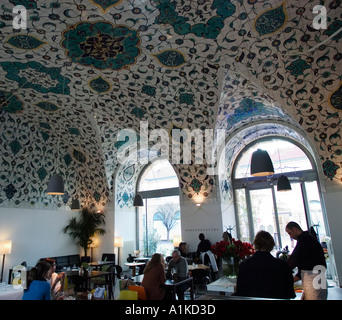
point(182, 246)
point(41, 271)
point(176, 255)
point(157, 258)
point(263, 241)
point(201, 236)
point(293, 229)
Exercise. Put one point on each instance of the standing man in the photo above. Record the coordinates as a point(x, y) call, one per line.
point(307, 256)
point(180, 265)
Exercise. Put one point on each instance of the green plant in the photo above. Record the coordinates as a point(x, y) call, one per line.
point(84, 228)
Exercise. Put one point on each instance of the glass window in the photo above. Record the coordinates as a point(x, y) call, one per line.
point(159, 218)
point(159, 175)
point(258, 207)
point(290, 207)
point(286, 157)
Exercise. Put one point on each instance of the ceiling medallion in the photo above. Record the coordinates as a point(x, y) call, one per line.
point(101, 45)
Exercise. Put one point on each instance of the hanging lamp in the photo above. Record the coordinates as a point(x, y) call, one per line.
point(261, 164)
point(283, 184)
point(75, 205)
point(55, 185)
point(138, 201)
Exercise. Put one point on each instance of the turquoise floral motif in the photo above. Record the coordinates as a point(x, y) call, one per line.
point(196, 185)
point(42, 173)
point(271, 20)
point(28, 4)
point(297, 67)
point(248, 108)
point(101, 45)
point(138, 112)
point(47, 106)
point(10, 190)
point(149, 90)
point(67, 159)
point(9, 102)
point(187, 98)
point(45, 84)
point(170, 58)
point(15, 146)
point(105, 4)
point(332, 28)
point(335, 99)
point(74, 131)
point(25, 42)
point(99, 85)
point(210, 30)
point(97, 196)
point(330, 168)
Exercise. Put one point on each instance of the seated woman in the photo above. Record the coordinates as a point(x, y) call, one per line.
point(56, 280)
point(154, 278)
point(38, 287)
point(262, 275)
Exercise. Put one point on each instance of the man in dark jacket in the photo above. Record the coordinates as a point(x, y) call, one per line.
point(262, 275)
point(307, 256)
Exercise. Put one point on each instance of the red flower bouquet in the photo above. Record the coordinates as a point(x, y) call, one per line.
point(232, 253)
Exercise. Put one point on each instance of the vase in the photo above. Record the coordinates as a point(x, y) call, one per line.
point(229, 267)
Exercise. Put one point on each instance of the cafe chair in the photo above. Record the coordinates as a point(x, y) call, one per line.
point(128, 295)
point(108, 257)
point(140, 290)
point(201, 279)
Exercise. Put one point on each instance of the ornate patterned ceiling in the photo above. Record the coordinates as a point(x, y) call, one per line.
point(84, 69)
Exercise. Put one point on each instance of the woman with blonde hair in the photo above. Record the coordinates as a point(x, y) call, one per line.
point(154, 278)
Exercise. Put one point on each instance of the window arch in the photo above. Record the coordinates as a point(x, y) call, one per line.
point(258, 204)
point(158, 221)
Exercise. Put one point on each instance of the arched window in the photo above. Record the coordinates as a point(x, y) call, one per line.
point(259, 206)
point(158, 221)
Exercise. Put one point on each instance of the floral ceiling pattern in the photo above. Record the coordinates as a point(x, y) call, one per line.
point(83, 70)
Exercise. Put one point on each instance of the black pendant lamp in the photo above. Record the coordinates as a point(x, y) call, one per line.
point(283, 184)
point(138, 201)
point(75, 205)
point(261, 164)
point(55, 185)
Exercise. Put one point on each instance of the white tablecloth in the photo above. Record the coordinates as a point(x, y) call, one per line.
point(222, 285)
point(8, 292)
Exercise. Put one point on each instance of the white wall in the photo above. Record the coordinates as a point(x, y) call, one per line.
point(125, 225)
point(37, 233)
point(206, 219)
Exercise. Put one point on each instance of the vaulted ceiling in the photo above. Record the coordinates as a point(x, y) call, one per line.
point(83, 70)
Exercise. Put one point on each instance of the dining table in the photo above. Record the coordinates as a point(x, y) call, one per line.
point(133, 265)
point(8, 292)
point(172, 284)
point(86, 277)
point(97, 265)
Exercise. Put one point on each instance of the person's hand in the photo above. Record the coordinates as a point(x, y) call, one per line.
point(60, 276)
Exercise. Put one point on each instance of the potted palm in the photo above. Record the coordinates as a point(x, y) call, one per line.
point(83, 229)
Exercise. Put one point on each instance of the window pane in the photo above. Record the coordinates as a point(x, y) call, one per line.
point(315, 208)
point(159, 175)
point(242, 214)
point(263, 212)
point(290, 207)
point(291, 157)
point(163, 222)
